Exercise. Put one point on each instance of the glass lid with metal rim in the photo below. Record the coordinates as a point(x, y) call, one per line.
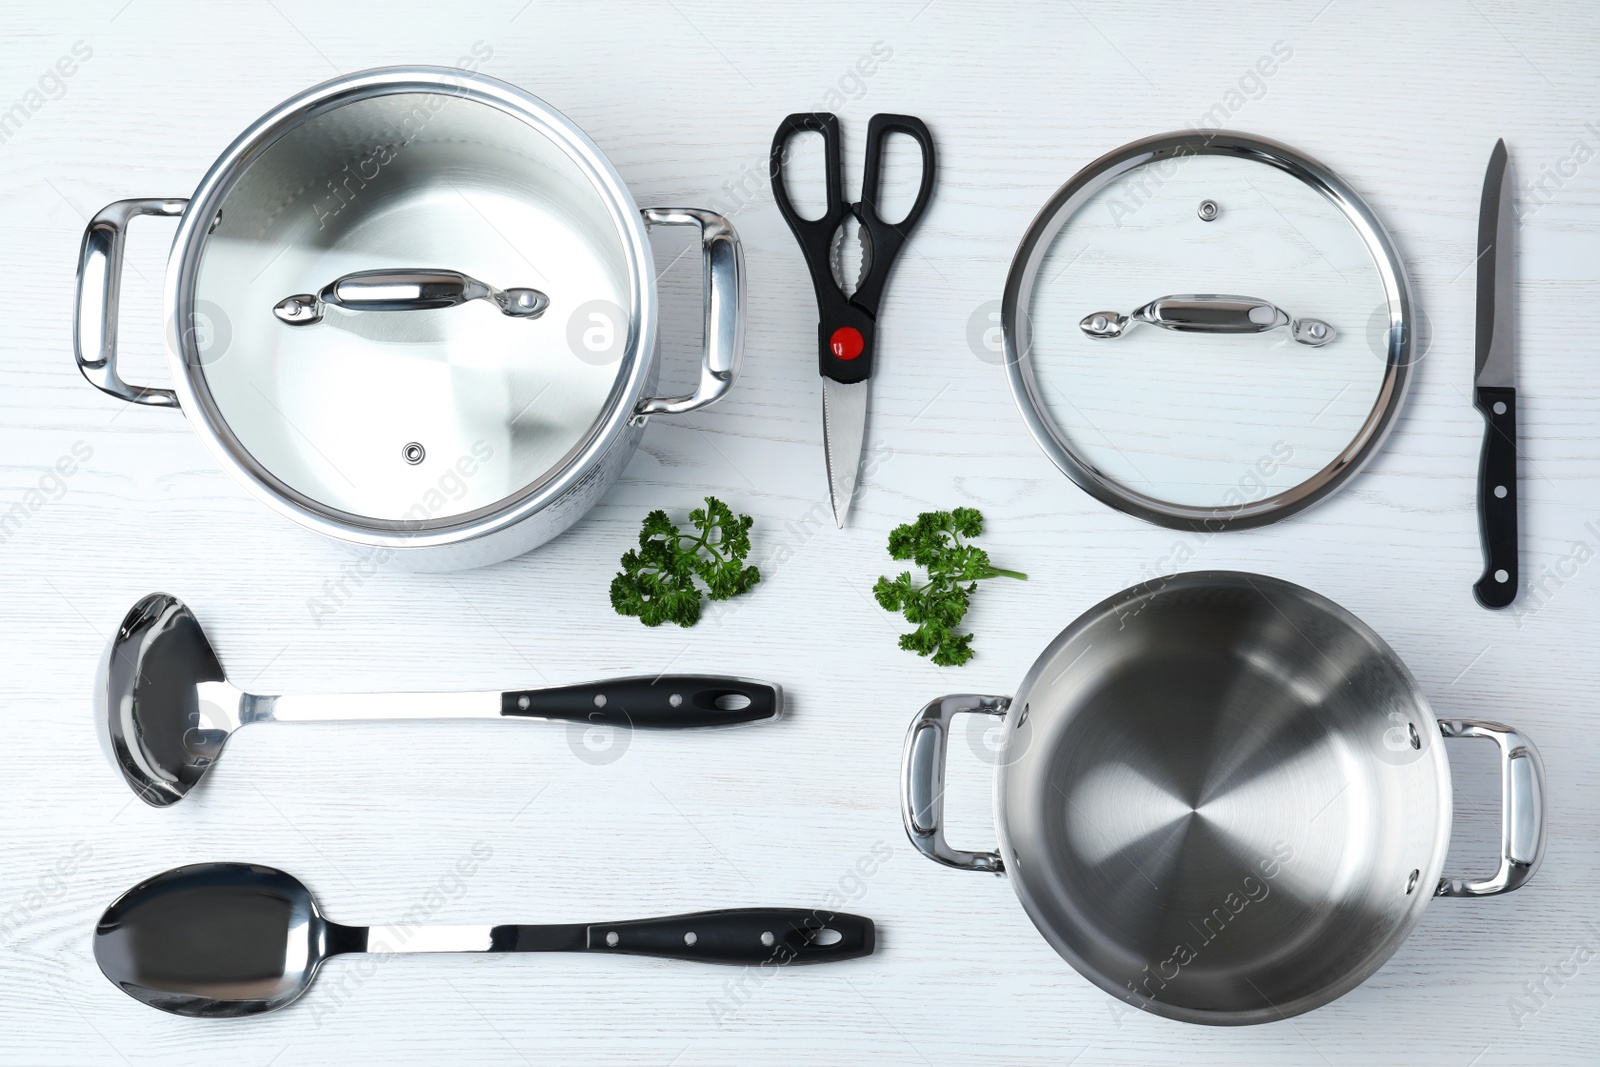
point(1208, 330)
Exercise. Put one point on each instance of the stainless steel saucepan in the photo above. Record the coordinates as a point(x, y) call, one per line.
point(414, 310)
point(1222, 798)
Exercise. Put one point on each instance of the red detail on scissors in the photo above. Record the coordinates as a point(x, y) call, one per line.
point(847, 342)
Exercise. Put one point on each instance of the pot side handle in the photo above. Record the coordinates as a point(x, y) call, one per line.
point(922, 781)
point(99, 294)
point(1521, 810)
point(724, 323)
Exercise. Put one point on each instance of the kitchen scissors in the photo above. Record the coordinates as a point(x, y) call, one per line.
point(847, 325)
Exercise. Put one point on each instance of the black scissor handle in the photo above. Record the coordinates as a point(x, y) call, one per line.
point(846, 356)
point(815, 235)
point(847, 326)
point(887, 238)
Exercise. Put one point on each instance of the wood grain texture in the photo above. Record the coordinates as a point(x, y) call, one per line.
point(1403, 101)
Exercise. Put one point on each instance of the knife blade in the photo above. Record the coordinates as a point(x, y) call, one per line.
point(1495, 386)
point(844, 426)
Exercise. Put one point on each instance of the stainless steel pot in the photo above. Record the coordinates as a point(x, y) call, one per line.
point(414, 310)
point(1222, 798)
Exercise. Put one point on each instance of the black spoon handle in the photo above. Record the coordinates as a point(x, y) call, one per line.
point(667, 700)
point(735, 935)
point(1497, 496)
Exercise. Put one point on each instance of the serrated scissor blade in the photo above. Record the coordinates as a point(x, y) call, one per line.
point(852, 248)
point(1496, 350)
point(844, 427)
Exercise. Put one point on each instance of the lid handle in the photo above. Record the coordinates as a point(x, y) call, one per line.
point(1210, 313)
point(407, 290)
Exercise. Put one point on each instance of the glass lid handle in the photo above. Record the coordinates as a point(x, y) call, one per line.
point(1210, 313)
point(407, 290)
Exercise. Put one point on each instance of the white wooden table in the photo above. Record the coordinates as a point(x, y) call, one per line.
point(1404, 101)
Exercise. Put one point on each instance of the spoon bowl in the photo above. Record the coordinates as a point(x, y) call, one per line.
point(214, 940)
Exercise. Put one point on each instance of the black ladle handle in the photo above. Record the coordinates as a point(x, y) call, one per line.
point(667, 700)
point(735, 935)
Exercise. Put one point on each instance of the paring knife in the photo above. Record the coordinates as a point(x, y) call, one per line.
point(847, 325)
point(1495, 386)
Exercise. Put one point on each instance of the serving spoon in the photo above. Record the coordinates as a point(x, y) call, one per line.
point(221, 940)
point(164, 708)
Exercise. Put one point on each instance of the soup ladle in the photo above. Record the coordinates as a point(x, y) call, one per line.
point(164, 708)
point(222, 940)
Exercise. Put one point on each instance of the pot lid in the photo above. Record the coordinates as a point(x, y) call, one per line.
point(425, 299)
point(1207, 330)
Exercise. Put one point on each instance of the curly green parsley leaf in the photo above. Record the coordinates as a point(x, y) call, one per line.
point(937, 606)
point(657, 580)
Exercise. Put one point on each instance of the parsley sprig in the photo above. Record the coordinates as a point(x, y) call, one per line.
point(657, 580)
point(936, 607)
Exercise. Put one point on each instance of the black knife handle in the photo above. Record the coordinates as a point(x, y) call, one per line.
point(1497, 496)
point(751, 936)
point(669, 700)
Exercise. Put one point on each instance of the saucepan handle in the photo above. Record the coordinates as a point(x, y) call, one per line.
point(922, 780)
point(724, 296)
point(100, 294)
point(1521, 810)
